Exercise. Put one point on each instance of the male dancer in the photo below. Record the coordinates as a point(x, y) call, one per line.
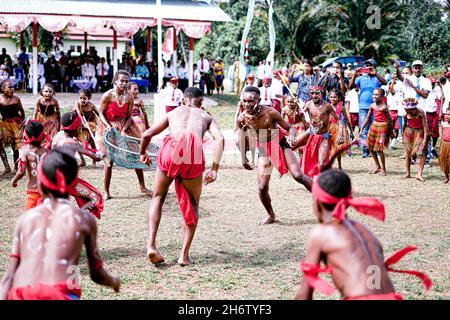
point(274, 148)
point(29, 156)
point(181, 158)
point(49, 238)
point(317, 149)
point(352, 253)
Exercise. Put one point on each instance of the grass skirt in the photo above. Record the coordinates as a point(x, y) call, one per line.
point(378, 136)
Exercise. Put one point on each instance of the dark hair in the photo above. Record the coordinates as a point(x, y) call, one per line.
point(34, 130)
point(132, 83)
point(4, 83)
point(336, 183)
point(68, 118)
point(336, 92)
point(252, 89)
point(58, 159)
point(442, 80)
point(86, 92)
point(340, 63)
point(120, 72)
point(47, 85)
point(308, 61)
point(193, 92)
point(383, 93)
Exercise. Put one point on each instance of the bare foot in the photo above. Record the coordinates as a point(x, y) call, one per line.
point(82, 164)
point(107, 196)
point(375, 171)
point(382, 173)
point(147, 192)
point(247, 166)
point(420, 178)
point(185, 262)
point(7, 170)
point(407, 176)
point(270, 219)
point(447, 181)
point(154, 256)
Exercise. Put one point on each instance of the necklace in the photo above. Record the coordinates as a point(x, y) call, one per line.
point(121, 99)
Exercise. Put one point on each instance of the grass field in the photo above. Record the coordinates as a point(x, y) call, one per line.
point(235, 257)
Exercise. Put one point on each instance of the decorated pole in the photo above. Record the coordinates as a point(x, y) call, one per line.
point(191, 62)
point(246, 50)
point(149, 44)
point(114, 50)
point(175, 54)
point(35, 58)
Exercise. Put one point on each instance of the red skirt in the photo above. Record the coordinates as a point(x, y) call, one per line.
point(413, 139)
point(383, 296)
point(309, 161)
point(433, 124)
point(41, 291)
point(394, 116)
point(378, 136)
point(444, 156)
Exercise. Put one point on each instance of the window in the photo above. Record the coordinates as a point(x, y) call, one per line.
point(72, 48)
point(79, 49)
point(108, 53)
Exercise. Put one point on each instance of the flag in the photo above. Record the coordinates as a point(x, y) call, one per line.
point(167, 47)
point(133, 48)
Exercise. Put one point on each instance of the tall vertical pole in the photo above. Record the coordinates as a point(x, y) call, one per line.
point(149, 44)
point(35, 59)
point(114, 55)
point(85, 42)
point(191, 62)
point(160, 61)
point(175, 53)
point(21, 39)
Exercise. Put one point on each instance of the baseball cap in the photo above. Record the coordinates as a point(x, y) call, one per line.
point(433, 80)
point(417, 63)
point(371, 61)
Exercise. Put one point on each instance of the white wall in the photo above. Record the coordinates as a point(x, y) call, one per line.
point(9, 45)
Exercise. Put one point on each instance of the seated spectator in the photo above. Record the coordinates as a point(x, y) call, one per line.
point(19, 75)
point(142, 70)
point(183, 76)
point(88, 72)
point(102, 75)
point(53, 73)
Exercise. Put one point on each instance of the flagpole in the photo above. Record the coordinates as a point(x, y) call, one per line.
point(160, 61)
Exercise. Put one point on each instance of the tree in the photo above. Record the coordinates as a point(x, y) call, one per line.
point(45, 39)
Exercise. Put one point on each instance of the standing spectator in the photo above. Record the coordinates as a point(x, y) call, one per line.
point(197, 76)
point(183, 79)
point(172, 97)
point(260, 73)
point(334, 80)
point(352, 107)
point(210, 79)
point(203, 67)
point(348, 73)
point(40, 73)
point(445, 83)
point(305, 79)
point(219, 70)
point(53, 73)
point(19, 75)
point(4, 56)
point(169, 72)
point(88, 72)
point(432, 105)
point(9, 66)
point(23, 56)
point(394, 102)
point(267, 70)
point(367, 83)
point(153, 75)
point(388, 75)
point(102, 75)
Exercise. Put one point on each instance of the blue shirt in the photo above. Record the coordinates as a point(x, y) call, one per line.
point(366, 85)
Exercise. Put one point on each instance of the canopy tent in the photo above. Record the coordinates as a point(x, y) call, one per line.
point(124, 17)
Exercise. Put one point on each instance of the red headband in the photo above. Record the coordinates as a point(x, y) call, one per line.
point(368, 206)
point(28, 140)
point(61, 185)
point(315, 88)
point(75, 124)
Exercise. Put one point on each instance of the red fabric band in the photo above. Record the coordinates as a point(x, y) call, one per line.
point(75, 124)
point(368, 206)
point(311, 272)
point(61, 185)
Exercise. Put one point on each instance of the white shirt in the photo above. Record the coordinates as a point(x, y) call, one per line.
point(430, 104)
point(205, 67)
point(264, 101)
point(88, 70)
point(169, 72)
point(353, 100)
point(260, 74)
point(182, 73)
point(197, 76)
point(172, 97)
point(277, 89)
point(446, 89)
point(105, 69)
point(422, 83)
point(267, 71)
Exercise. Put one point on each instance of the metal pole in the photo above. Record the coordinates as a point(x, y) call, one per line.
point(160, 61)
point(35, 59)
point(114, 61)
point(191, 62)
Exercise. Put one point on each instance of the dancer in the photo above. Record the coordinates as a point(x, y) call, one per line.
point(338, 132)
point(315, 141)
point(380, 130)
point(181, 158)
point(85, 194)
point(12, 117)
point(352, 253)
point(138, 114)
point(274, 148)
point(87, 110)
point(29, 156)
point(444, 147)
point(116, 112)
point(47, 110)
point(415, 133)
point(49, 238)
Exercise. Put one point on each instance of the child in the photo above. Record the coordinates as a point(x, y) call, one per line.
point(444, 147)
point(49, 238)
point(12, 117)
point(380, 130)
point(85, 194)
point(172, 96)
point(138, 114)
point(349, 249)
point(338, 133)
point(294, 117)
point(415, 135)
point(87, 110)
point(47, 111)
point(29, 156)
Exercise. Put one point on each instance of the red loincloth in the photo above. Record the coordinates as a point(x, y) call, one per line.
point(182, 157)
point(42, 291)
point(274, 151)
point(382, 296)
point(170, 108)
point(309, 161)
